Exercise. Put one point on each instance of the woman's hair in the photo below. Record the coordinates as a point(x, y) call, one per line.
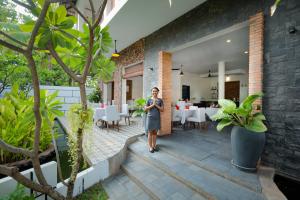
point(155, 88)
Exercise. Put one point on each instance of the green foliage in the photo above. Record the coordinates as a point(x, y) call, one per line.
point(240, 116)
point(139, 105)
point(13, 69)
point(78, 119)
point(7, 12)
point(96, 192)
point(18, 194)
point(95, 96)
point(17, 121)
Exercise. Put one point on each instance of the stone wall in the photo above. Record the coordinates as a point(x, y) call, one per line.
point(281, 71)
point(281, 83)
point(128, 56)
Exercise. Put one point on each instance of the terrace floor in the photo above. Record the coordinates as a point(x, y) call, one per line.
point(191, 164)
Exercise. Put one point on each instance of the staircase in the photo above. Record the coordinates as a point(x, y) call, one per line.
point(172, 175)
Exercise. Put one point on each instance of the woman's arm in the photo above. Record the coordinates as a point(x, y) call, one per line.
point(147, 108)
point(160, 108)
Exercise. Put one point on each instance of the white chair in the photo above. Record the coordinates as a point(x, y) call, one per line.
point(211, 111)
point(176, 118)
point(198, 117)
point(125, 113)
point(111, 115)
point(193, 107)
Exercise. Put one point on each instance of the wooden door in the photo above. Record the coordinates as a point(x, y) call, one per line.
point(232, 90)
point(128, 89)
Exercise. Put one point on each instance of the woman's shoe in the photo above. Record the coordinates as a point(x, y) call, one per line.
point(151, 150)
point(156, 149)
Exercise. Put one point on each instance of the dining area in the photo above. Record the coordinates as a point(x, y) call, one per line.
point(186, 115)
point(107, 116)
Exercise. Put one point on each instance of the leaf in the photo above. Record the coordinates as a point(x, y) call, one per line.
point(227, 106)
point(61, 13)
point(256, 126)
point(259, 116)
point(66, 24)
point(28, 26)
point(45, 38)
point(247, 103)
point(220, 115)
point(223, 123)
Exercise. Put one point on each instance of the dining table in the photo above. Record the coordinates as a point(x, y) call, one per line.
point(184, 114)
point(98, 114)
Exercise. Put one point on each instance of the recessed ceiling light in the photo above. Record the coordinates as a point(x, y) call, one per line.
point(245, 52)
point(228, 41)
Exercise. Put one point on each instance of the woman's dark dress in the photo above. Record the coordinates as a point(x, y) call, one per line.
point(153, 115)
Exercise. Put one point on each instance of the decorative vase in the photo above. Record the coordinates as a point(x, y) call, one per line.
point(247, 147)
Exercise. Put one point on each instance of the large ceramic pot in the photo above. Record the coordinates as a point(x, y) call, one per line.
point(247, 146)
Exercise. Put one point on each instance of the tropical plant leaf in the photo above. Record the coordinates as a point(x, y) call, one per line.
point(247, 103)
point(256, 126)
point(227, 106)
point(223, 123)
point(259, 116)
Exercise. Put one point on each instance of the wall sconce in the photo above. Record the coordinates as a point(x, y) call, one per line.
point(227, 78)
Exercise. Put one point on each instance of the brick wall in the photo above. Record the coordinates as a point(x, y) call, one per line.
point(280, 66)
point(256, 34)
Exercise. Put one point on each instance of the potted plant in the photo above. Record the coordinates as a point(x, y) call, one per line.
point(95, 96)
point(139, 106)
point(248, 133)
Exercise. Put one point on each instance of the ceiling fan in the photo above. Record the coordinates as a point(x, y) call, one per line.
point(211, 74)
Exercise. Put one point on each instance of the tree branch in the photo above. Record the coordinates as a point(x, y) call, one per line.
point(11, 46)
point(90, 56)
point(100, 14)
point(62, 64)
point(38, 24)
point(38, 120)
point(13, 39)
point(15, 174)
point(81, 14)
point(93, 10)
point(14, 149)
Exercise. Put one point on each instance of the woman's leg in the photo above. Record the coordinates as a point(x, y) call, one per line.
point(154, 134)
point(150, 139)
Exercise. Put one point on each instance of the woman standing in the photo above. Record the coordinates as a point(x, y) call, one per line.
point(153, 108)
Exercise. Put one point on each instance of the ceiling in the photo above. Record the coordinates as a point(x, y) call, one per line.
point(139, 18)
point(205, 56)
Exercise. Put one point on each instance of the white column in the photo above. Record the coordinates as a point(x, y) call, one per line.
point(221, 79)
point(105, 93)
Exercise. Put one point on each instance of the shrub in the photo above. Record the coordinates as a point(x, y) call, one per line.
point(17, 121)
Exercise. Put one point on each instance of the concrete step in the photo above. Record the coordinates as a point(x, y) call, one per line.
point(121, 187)
point(156, 183)
point(211, 161)
point(200, 180)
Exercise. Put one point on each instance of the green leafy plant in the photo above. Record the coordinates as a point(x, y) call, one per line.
point(95, 96)
point(17, 121)
point(18, 194)
point(139, 105)
point(243, 116)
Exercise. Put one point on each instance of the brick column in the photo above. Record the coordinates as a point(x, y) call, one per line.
point(256, 37)
point(165, 86)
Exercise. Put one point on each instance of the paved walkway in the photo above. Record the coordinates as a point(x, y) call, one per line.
point(191, 164)
point(100, 144)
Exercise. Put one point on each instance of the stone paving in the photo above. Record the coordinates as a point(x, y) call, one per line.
point(191, 164)
point(101, 143)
